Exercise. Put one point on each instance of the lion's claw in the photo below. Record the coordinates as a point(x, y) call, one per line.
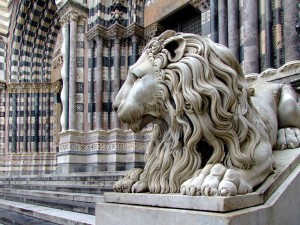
point(129, 181)
point(217, 180)
point(288, 138)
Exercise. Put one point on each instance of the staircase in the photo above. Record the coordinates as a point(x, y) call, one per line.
point(61, 199)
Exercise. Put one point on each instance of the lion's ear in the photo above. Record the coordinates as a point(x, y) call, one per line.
point(175, 47)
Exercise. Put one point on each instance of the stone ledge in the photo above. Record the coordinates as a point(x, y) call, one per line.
point(282, 207)
point(285, 161)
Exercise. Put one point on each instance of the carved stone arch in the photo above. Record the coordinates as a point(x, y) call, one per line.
point(33, 35)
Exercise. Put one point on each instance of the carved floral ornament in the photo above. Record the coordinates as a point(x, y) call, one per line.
point(68, 17)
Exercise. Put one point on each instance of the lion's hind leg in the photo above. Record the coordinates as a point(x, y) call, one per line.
point(288, 120)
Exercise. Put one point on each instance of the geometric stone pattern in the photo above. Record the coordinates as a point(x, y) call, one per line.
point(80, 74)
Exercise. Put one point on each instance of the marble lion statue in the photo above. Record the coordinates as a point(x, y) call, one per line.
point(212, 133)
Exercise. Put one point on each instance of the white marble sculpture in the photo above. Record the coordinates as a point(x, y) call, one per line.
point(212, 135)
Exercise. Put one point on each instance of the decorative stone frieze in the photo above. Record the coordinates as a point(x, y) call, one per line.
point(115, 30)
point(2, 86)
point(57, 61)
point(71, 6)
point(29, 87)
point(288, 70)
point(56, 87)
point(153, 30)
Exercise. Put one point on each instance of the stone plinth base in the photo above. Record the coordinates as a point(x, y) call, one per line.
point(275, 202)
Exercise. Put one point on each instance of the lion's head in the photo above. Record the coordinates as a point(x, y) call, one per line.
point(195, 93)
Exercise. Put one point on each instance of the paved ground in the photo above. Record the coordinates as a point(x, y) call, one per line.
point(13, 218)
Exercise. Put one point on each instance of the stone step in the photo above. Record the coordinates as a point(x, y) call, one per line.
point(90, 189)
point(77, 182)
point(77, 202)
point(49, 214)
point(84, 177)
point(8, 217)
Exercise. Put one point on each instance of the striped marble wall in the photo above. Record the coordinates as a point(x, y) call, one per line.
point(2, 59)
point(34, 31)
point(2, 117)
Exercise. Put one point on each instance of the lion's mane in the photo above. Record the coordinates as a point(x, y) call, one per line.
point(204, 98)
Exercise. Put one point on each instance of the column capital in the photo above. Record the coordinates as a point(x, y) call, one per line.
point(134, 38)
point(73, 16)
point(65, 20)
point(117, 40)
point(99, 40)
point(91, 44)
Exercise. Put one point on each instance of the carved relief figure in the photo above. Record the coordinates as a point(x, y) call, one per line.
point(212, 134)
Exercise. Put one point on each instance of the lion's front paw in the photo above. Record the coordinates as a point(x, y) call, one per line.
point(288, 138)
point(216, 180)
point(125, 185)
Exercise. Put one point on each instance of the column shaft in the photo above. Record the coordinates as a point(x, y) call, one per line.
point(116, 86)
point(214, 20)
point(25, 139)
point(36, 122)
point(99, 82)
point(223, 22)
point(109, 86)
point(91, 84)
point(64, 119)
point(290, 36)
point(233, 28)
point(14, 123)
point(269, 34)
point(134, 49)
point(250, 36)
point(72, 69)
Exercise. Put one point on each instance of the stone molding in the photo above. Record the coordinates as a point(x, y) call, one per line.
point(289, 69)
point(34, 87)
point(71, 10)
point(56, 86)
point(104, 140)
point(57, 61)
point(2, 86)
point(115, 30)
point(153, 30)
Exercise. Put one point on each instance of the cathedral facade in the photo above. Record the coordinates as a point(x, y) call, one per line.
point(62, 63)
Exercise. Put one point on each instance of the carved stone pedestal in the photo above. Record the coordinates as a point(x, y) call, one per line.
point(274, 202)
